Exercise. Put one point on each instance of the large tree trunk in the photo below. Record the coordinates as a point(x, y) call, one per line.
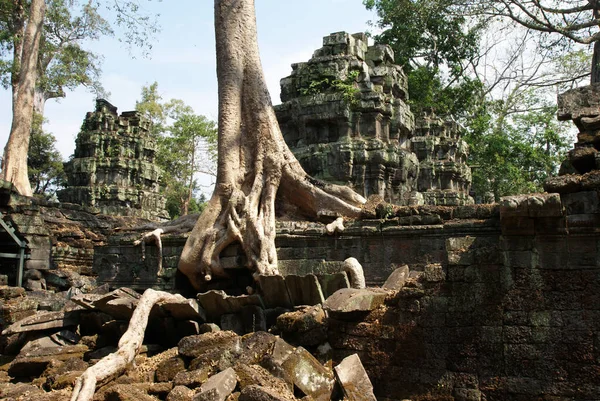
point(254, 162)
point(14, 167)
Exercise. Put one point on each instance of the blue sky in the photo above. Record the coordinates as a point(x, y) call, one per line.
point(183, 58)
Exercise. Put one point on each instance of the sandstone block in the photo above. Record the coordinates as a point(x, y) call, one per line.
point(218, 387)
point(353, 379)
point(397, 279)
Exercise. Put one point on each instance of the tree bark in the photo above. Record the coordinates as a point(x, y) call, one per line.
point(14, 168)
point(254, 163)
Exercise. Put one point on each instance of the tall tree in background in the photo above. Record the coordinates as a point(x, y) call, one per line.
point(26, 52)
point(491, 75)
point(46, 58)
point(562, 23)
point(186, 147)
point(44, 162)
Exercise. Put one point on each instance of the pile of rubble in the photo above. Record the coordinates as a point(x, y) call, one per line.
point(184, 356)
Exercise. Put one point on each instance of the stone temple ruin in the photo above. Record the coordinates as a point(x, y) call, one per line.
point(345, 117)
point(463, 303)
point(113, 166)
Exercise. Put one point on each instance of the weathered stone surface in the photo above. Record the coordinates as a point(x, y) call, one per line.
point(193, 378)
point(330, 283)
point(258, 393)
point(249, 375)
point(255, 346)
point(304, 290)
point(59, 339)
point(274, 292)
point(218, 303)
point(232, 322)
point(44, 321)
point(34, 362)
point(188, 309)
point(169, 368)
point(353, 379)
point(218, 387)
point(180, 393)
point(354, 300)
point(309, 375)
point(119, 303)
point(194, 346)
point(397, 279)
point(128, 392)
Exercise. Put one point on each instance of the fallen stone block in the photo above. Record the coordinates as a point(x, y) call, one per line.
point(350, 301)
point(397, 279)
point(168, 369)
point(304, 290)
point(33, 363)
point(180, 393)
point(232, 322)
point(255, 346)
point(218, 387)
point(193, 378)
point(330, 283)
point(194, 346)
point(274, 292)
point(353, 379)
point(44, 321)
point(60, 339)
point(257, 393)
point(218, 303)
point(249, 375)
point(309, 375)
point(188, 309)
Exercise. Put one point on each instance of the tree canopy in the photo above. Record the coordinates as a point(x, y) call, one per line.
point(187, 145)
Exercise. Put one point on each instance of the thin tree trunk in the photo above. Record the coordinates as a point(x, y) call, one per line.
point(39, 101)
point(254, 162)
point(18, 20)
point(15, 152)
point(595, 76)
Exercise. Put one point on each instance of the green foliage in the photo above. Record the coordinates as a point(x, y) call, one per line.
point(347, 87)
point(187, 145)
point(515, 153)
point(435, 45)
point(44, 162)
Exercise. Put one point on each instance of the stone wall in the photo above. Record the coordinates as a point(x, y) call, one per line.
point(505, 304)
point(60, 239)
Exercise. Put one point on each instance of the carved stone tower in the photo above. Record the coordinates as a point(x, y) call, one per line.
point(345, 117)
point(113, 166)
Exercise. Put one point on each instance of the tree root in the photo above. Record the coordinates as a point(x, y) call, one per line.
point(113, 365)
point(335, 227)
point(355, 273)
point(152, 236)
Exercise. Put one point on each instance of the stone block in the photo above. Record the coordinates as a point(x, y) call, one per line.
point(304, 290)
point(353, 379)
point(309, 375)
point(232, 322)
point(397, 279)
point(44, 321)
point(218, 387)
point(330, 283)
point(217, 303)
point(585, 202)
point(188, 309)
point(351, 301)
point(274, 291)
point(194, 346)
